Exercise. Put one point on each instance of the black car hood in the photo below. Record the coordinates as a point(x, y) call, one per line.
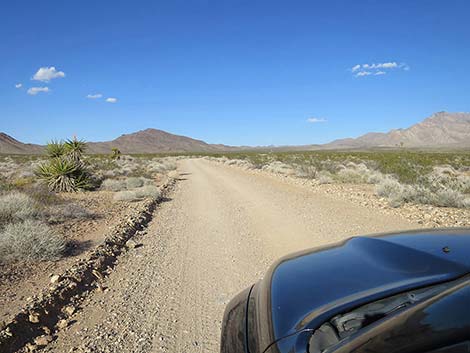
point(308, 288)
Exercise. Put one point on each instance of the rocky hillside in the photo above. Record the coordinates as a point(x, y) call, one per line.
point(8, 145)
point(439, 130)
point(146, 141)
point(154, 141)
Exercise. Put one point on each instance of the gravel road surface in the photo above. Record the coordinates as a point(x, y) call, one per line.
point(218, 233)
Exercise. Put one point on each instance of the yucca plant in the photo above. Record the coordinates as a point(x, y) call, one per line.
point(65, 171)
point(75, 148)
point(55, 149)
point(64, 174)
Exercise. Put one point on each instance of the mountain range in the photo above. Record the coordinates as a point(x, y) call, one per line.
point(450, 130)
point(441, 130)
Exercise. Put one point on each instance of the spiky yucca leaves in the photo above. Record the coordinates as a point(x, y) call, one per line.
point(63, 174)
point(75, 148)
point(55, 149)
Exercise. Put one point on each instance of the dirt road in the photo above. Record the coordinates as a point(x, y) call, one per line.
point(218, 234)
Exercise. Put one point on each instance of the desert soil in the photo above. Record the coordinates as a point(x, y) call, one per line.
point(19, 282)
point(218, 233)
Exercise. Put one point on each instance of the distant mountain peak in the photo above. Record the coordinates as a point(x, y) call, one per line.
point(441, 129)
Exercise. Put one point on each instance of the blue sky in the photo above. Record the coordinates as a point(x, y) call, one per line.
point(233, 72)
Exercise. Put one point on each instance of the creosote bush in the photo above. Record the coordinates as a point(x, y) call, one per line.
point(29, 240)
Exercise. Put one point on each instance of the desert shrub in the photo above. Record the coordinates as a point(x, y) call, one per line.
point(279, 168)
point(306, 171)
point(29, 240)
point(126, 196)
point(17, 206)
point(147, 191)
point(324, 177)
point(398, 193)
point(68, 211)
point(134, 182)
point(42, 195)
point(114, 185)
point(150, 191)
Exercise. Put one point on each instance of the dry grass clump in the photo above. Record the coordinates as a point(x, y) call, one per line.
point(279, 168)
point(125, 184)
point(134, 182)
point(325, 177)
point(16, 206)
point(239, 163)
point(148, 191)
point(114, 185)
point(28, 241)
point(68, 211)
point(161, 165)
point(126, 195)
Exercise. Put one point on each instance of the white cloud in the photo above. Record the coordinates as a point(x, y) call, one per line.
point(111, 100)
point(377, 69)
point(94, 96)
point(389, 65)
point(363, 73)
point(35, 90)
point(46, 74)
point(356, 68)
point(18, 85)
point(314, 120)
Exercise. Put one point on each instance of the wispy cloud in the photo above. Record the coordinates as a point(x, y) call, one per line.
point(377, 69)
point(111, 100)
point(363, 73)
point(18, 85)
point(35, 90)
point(45, 74)
point(94, 96)
point(314, 120)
